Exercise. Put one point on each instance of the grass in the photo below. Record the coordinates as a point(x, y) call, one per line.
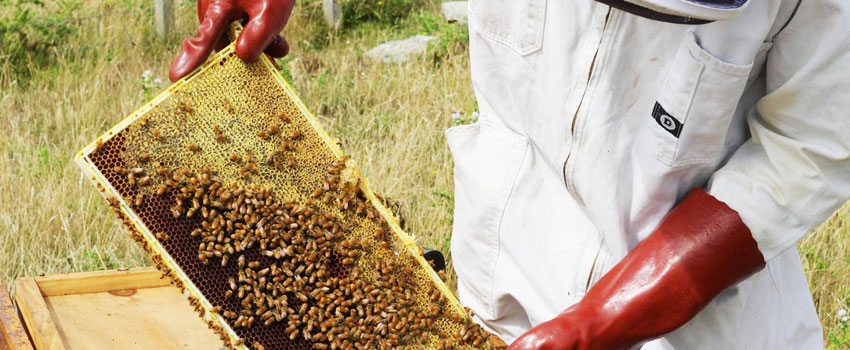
point(391, 117)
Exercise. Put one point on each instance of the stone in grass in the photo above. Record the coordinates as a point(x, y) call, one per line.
point(455, 11)
point(399, 51)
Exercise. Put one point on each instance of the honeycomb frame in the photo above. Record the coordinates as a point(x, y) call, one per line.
point(141, 232)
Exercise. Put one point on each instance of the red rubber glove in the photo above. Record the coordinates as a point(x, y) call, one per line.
point(266, 19)
point(700, 248)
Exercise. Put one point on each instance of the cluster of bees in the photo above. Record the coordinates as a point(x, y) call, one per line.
point(305, 274)
point(295, 266)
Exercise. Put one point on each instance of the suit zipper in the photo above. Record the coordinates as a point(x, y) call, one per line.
point(567, 180)
point(592, 269)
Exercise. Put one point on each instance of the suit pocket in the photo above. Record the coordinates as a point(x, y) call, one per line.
point(517, 24)
point(695, 105)
point(487, 159)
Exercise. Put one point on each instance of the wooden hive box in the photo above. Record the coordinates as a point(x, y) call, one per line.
point(118, 309)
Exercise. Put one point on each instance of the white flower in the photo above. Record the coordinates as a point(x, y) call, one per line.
point(147, 74)
point(157, 81)
point(845, 318)
point(842, 313)
point(455, 115)
point(475, 114)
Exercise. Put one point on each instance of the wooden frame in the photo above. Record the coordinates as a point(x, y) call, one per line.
point(13, 336)
point(35, 314)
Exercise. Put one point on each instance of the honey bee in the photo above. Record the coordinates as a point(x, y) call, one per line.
point(138, 200)
point(156, 135)
point(238, 342)
point(295, 134)
point(186, 108)
point(234, 157)
point(478, 341)
point(270, 158)
point(144, 181)
point(228, 105)
point(258, 346)
point(193, 147)
point(442, 275)
point(217, 129)
point(220, 137)
point(161, 236)
point(286, 146)
point(263, 134)
point(283, 117)
point(273, 129)
point(98, 144)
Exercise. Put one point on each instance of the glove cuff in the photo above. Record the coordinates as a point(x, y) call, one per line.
point(713, 241)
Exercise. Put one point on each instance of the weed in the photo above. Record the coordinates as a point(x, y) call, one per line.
point(839, 337)
point(93, 260)
point(451, 37)
point(149, 84)
point(384, 11)
point(283, 63)
point(458, 118)
point(29, 30)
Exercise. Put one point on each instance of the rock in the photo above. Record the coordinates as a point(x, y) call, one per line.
point(455, 11)
point(399, 51)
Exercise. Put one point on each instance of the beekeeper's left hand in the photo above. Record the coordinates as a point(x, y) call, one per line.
point(699, 249)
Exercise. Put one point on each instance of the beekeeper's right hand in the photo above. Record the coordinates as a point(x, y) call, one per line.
point(266, 19)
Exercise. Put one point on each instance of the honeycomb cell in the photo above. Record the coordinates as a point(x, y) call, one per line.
point(322, 259)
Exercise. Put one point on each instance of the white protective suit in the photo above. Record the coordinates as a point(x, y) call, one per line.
point(594, 122)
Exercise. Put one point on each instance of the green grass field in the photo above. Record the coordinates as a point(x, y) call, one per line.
point(91, 74)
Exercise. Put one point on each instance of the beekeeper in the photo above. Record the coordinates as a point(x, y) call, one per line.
point(641, 170)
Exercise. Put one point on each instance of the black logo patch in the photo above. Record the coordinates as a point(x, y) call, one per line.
point(667, 121)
